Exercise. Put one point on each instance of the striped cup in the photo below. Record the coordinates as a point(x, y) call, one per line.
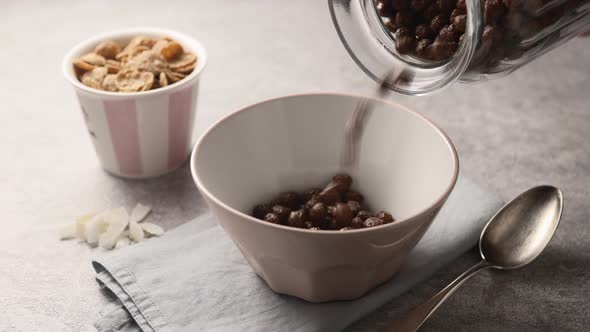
point(140, 134)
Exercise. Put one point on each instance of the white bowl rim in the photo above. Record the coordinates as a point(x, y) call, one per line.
point(438, 202)
point(95, 39)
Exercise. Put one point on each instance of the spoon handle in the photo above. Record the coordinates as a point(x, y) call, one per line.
point(413, 319)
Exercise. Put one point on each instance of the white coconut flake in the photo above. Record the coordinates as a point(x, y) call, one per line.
point(117, 216)
point(122, 242)
point(152, 229)
point(94, 227)
point(106, 241)
point(117, 221)
point(135, 232)
point(81, 222)
point(67, 232)
point(139, 212)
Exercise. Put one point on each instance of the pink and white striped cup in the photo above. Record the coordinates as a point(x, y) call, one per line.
point(140, 134)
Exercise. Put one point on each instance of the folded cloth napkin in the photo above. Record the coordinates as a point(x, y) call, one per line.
point(194, 279)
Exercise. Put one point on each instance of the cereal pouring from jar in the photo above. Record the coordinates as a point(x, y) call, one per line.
point(143, 64)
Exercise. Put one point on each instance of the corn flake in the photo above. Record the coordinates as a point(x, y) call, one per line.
point(94, 77)
point(108, 49)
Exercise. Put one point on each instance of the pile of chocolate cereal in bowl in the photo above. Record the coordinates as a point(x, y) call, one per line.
point(143, 64)
point(335, 207)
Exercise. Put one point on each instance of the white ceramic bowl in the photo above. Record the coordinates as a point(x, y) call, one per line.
point(407, 166)
point(139, 134)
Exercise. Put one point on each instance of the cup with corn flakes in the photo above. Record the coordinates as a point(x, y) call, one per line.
point(137, 91)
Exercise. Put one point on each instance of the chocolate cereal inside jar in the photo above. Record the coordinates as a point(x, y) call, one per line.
point(428, 29)
point(434, 29)
point(440, 42)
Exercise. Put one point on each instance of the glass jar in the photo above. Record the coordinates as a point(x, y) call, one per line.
point(529, 28)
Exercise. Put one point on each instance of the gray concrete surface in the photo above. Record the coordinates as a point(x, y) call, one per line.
point(530, 128)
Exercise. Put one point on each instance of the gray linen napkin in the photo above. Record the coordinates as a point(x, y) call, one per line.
point(194, 279)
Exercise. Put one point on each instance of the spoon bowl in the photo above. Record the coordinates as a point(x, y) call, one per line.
point(519, 232)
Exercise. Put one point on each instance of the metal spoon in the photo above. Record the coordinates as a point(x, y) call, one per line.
point(513, 237)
